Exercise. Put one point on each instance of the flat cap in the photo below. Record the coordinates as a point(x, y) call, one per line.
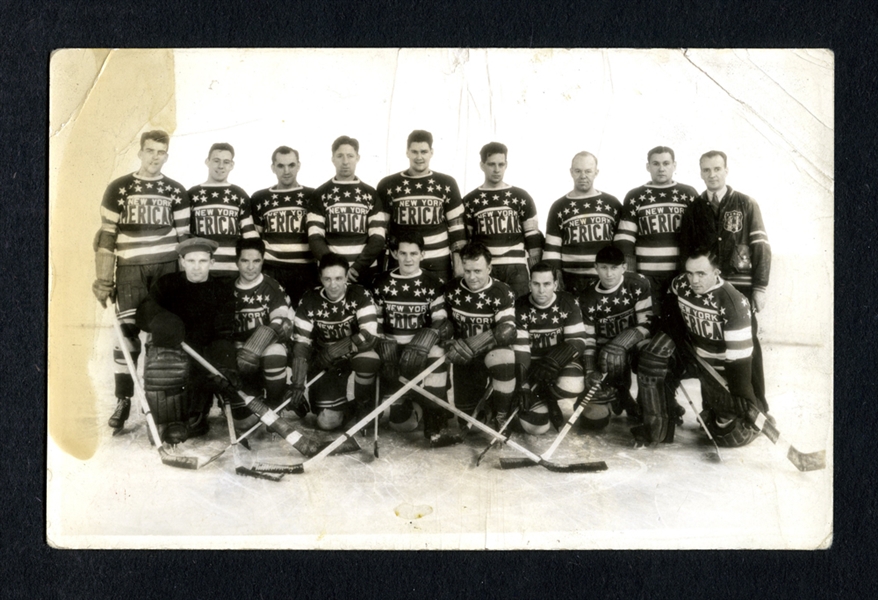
point(196, 244)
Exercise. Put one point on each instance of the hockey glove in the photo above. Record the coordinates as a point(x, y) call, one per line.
point(388, 351)
point(548, 367)
point(249, 356)
point(414, 356)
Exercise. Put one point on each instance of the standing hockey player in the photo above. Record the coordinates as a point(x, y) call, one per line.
point(617, 311)
point(715, 318)
point(347, 217)
point(648, 231)
point(279, 215)
point(221, 210)
point(198, 308)
point(429, 203)
point(413, 322)
point(143, 216)
point(504, 219)
point(580, 224)
point(551, 338)
point(730, 224)
point(336, 329)
point(483, 314)
point(263, 324)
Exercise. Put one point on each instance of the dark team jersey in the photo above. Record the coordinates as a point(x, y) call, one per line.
point(718, 322)
point(146, 218)
point(348, 218)
point(607, 313)
point(474, 312)
point(539, 328)
point(504, 220)
point(320, 321)
point(429, 204)
point(258, 304)
point(280, 218)
point(576, 228)
point(406, 304)
point(650, 225)
point(221, 213)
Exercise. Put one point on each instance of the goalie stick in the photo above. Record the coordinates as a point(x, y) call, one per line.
point(803, 461)
point(515, 463)
point(554, 467)
point(701, 421)
point(172, 460)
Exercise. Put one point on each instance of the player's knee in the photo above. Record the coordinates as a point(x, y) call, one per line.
point(501, 365)
point(330, 418)
point(436, 352)
point(568, 387)
point(595, 416)
point(536, 421)
point(366, 363)
point(406, 418)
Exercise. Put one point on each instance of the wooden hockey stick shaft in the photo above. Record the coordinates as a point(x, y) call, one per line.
point(240, 469)
point(282, 406)
point(493, 442)
point(378, 416)
point(701, 421)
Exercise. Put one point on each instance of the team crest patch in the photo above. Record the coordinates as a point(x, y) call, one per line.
point(733, 221)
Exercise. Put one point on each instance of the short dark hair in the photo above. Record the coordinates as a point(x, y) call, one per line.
point(249, 244)
point(493, 148)
point(156, 135)
point(331, 259)
point(610, 255)
point(713, 154)
point(544, 267)
point(474, 251)
point(407, 237)
point(660, 150)
point(222, 146)
point(709, 254)
point(283, 150)
point(419, 135)
point(341, 141)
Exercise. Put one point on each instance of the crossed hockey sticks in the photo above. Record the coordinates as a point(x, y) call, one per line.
point(278, 410)
point(494, 440)
point(515, 463)
point(803, 461)
point(172, 460)
point(554, 467)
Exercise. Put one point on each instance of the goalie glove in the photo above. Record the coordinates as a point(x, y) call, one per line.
point(105, 266)
point(414, 356)
point(388, 351)
point(614, 356)
point(550, 365)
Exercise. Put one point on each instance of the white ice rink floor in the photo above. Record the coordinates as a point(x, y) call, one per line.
point(413, 497)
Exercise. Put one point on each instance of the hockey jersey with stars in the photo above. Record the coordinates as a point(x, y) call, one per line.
point(504, 220)
point(539, 328)
point(607, 313)
point(576, 228)
point(320, 321)
point(474, 312)
point(406, 304)
point(221, 213)
point(258, 304)
point(279, 217)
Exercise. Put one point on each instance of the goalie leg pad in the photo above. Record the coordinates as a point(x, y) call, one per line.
point(249, 357)
point(654, 396)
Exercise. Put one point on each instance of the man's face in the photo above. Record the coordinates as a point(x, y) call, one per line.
point(286, 168)
point(345, 160)
point(476, 273)
point(197, 265)
point(610, 275)
point(419, 154)
point(661, 168)
point(249, 265)
point(714, 173)
point(584, 170)
point(494, 168)
point(701, 275)
point(542, 287)
point(334, 281)
point(409, 257)
point(219, 165)
point(152, 157)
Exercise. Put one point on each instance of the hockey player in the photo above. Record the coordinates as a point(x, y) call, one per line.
point(710, 314)
point(422, 200)
point(346, 216)
point(483, 314)
point(143, 216)
point(413, 321)
point(550, 341)
point(279, 214)
point(730, 224)
point(617, 311)
point(648, 231)
point(198, 308)
point(263, 324)
point(504, 219)
point(221, 210)
point(335, 328)
point(580, 224)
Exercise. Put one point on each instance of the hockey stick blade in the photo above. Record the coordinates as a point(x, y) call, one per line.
point(587, 467)
point(245, 472)
point(294, 469)
point(805, 461)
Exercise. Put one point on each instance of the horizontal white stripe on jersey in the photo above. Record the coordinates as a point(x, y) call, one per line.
point(744, 334)
point(733, 354)
point(721, 356)
point(656, 267)
point(435, 239)
point(663, 251)
point(146, 251)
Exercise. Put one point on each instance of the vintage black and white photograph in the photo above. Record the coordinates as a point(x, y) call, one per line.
point(441, 299)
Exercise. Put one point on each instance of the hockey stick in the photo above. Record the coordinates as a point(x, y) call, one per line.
point(350, 433)
point(282, 406)
point(494, 440)
point(377, 396)
point(515, 463)
point(701, 421)
point(240, 469)
point(182, 462)
point(305, 445)
point(480, 404)
point(571, 468)
point(803, 461)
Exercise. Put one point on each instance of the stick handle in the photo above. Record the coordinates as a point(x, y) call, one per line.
point(132, 368)
point(282, 406)
point(570, 422)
